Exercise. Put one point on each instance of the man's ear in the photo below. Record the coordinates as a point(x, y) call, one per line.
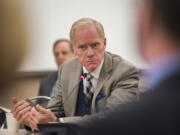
point(104, 43)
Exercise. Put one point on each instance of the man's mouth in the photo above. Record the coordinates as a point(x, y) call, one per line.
point(90, 61)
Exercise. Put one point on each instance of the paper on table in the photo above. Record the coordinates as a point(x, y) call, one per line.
point(5, 109)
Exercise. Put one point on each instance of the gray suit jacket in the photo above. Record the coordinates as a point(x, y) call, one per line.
point(118, 81)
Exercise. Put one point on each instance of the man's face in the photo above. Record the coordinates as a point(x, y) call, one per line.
point(89, 46)
point(62, 52)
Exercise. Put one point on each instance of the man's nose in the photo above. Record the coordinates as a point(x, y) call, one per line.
point(60, 56)
point(90, 52)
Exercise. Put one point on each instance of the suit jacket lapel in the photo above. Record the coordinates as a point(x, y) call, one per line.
point(104, 75)
point(72, 100)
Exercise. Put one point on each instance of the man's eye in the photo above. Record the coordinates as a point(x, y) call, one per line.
point(81, 46)
point(94, 45)
point(56, 54)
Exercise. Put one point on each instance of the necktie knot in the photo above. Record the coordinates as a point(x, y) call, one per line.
point(89, 77)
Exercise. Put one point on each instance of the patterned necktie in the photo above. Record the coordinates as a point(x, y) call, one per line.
point(88, 91)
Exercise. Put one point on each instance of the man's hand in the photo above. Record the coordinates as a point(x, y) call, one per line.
point(21, 111)
point(41, 115)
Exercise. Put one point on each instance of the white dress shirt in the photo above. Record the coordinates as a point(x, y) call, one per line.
point(95, 75)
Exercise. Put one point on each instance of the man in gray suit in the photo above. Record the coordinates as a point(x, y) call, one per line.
point(110, 81)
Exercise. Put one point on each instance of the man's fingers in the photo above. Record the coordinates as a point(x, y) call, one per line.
point(22, 112)
point(32, 123)
point(19, 104)
point(16, 105)
point(20, 108)
point(14, 100)
point(34, 120)
point(47, 114)
point(34, 112)
point(41, 109)
point(24, 118)
point(35, 115)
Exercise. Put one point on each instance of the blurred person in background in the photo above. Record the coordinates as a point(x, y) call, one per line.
point(63, 51)
point(13, 42)
point(157, 112)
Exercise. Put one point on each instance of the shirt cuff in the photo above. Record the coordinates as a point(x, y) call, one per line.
point(61, 120)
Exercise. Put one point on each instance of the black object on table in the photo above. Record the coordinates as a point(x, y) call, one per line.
point(56, 128)
point(2, 117)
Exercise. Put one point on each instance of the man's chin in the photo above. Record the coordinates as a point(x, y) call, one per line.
point(91, 69)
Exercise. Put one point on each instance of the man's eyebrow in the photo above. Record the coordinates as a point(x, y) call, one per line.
point(95, 42)
point(81, 45)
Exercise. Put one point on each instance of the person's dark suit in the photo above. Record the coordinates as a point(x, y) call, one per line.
point(157, 113)
point(48, 83)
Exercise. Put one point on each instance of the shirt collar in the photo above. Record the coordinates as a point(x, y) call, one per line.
point(96, 72)
point(162, 68)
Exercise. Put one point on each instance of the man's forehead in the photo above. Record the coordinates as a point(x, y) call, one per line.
point(86, 28)
point(83, 35)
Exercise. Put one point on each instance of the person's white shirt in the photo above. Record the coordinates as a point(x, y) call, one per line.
point(95, 75)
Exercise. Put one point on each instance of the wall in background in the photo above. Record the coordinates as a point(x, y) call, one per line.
point(49, 20)
point(22, 88)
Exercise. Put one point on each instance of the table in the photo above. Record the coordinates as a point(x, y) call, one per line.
point(21, 132)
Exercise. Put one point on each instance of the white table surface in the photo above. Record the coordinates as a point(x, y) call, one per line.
point(21, 132)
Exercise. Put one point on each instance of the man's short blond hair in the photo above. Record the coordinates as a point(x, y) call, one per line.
point(84, 22)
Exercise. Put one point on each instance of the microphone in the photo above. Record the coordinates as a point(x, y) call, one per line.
point(82, 77)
